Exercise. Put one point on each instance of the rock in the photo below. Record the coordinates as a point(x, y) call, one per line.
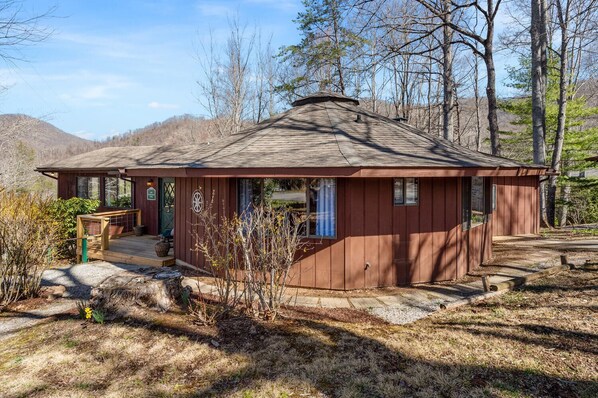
point(150, 287)
point(52, 292)
point(215, 343)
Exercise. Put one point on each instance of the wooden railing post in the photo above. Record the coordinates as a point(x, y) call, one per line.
point(105, 231)
point(80, 232)
point(138, 216)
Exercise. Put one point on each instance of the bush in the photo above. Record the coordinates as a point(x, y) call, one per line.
point(65, 212)
point(123, 202)
point(582, 203)
point(258, 248)
point(27, 233)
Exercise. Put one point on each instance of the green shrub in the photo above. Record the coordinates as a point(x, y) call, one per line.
point(582, 204)
point(123, 202)
point(65, 212)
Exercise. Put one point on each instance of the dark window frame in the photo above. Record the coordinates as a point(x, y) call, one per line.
point(105, 196)
point(78, 193)
point(307, 203)
point(403, 181)
point(489, 202)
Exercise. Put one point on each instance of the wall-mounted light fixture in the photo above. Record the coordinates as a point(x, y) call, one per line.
point(150, 182)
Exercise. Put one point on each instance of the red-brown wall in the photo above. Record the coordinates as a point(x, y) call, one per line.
point(517, 206)
point(149, 208)
point(67, 188)
point(377, 244)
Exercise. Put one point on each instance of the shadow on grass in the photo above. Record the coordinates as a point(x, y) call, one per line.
point(336, 362)
point(541, 335)
point(316, 353)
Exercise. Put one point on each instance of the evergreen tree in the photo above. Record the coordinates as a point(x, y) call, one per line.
point(322, 60)
point(579, 141)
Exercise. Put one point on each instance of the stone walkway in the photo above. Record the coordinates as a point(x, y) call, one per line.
point(404, 305)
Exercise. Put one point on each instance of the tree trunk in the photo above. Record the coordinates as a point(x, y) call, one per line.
point(562, 113)
point(476, 93)
point(458, 117)
point(430, 96)
point(565, 208)
point(492, 101)
point(539, 80)
point(447, 75)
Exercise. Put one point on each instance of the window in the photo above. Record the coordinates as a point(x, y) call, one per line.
point(477, 201)
point(117, 192)
point(406, 191)
point(477, 192)
point(88, 188)
point(493, 197)
point(313, 200)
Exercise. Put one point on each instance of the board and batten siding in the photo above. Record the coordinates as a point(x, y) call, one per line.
point(221, 192)
point(517, 206)
point(377, 244)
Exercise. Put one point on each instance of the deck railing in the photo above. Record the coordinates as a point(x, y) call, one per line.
point(99, 228)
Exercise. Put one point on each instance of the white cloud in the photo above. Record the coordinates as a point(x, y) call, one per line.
point(159, 105)
point(92, 86)
point(211, 9)
point(285, 5)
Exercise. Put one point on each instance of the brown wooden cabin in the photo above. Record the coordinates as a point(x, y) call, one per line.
point(386, 204)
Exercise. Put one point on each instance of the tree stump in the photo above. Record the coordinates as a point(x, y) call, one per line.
point(155, 288)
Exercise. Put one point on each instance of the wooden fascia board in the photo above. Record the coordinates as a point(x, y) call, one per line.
point(350, 172)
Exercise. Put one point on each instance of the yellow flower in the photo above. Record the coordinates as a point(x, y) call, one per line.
point(88, 312)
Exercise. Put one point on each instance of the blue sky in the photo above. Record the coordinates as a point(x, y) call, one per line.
point(111, 66)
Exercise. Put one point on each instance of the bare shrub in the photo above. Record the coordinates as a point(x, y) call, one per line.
point(250, 257)
point(27, 233)
point(216, 239)
point(270, 240)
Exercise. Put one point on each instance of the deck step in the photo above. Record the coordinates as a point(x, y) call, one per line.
point(112, 256)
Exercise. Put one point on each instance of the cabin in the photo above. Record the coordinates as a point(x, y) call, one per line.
point(385, 204)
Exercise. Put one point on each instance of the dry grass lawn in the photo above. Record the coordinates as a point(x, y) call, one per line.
point(538, 341)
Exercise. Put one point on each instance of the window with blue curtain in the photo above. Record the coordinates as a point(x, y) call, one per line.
point(312, 199)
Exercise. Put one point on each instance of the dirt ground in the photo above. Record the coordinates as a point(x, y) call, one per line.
point(538, 341)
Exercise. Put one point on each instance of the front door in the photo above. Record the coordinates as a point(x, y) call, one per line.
point(166, 204)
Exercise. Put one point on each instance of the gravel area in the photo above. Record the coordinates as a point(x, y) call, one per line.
point(404, 313)
point(78, 279)
point(12, 324)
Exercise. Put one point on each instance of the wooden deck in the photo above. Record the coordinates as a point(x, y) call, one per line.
point(137, 250)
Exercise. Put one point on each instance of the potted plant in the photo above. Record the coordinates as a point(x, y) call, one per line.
point(139, 229)
point(162, 248)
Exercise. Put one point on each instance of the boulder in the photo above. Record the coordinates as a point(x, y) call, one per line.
point(155, 288)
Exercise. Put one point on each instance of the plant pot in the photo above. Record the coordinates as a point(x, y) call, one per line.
point(139, 229)
point(162, 249)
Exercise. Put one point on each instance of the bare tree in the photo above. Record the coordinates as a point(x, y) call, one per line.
point(577, 24)
point(18, 28)
point(539, 48)
point(224, 87)
point(469, 33)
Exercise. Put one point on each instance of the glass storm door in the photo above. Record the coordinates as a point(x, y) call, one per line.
point(166, 204)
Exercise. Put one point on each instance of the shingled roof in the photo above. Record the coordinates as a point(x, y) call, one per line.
point(324, 130)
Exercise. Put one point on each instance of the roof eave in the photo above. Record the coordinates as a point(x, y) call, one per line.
point(350, 172)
